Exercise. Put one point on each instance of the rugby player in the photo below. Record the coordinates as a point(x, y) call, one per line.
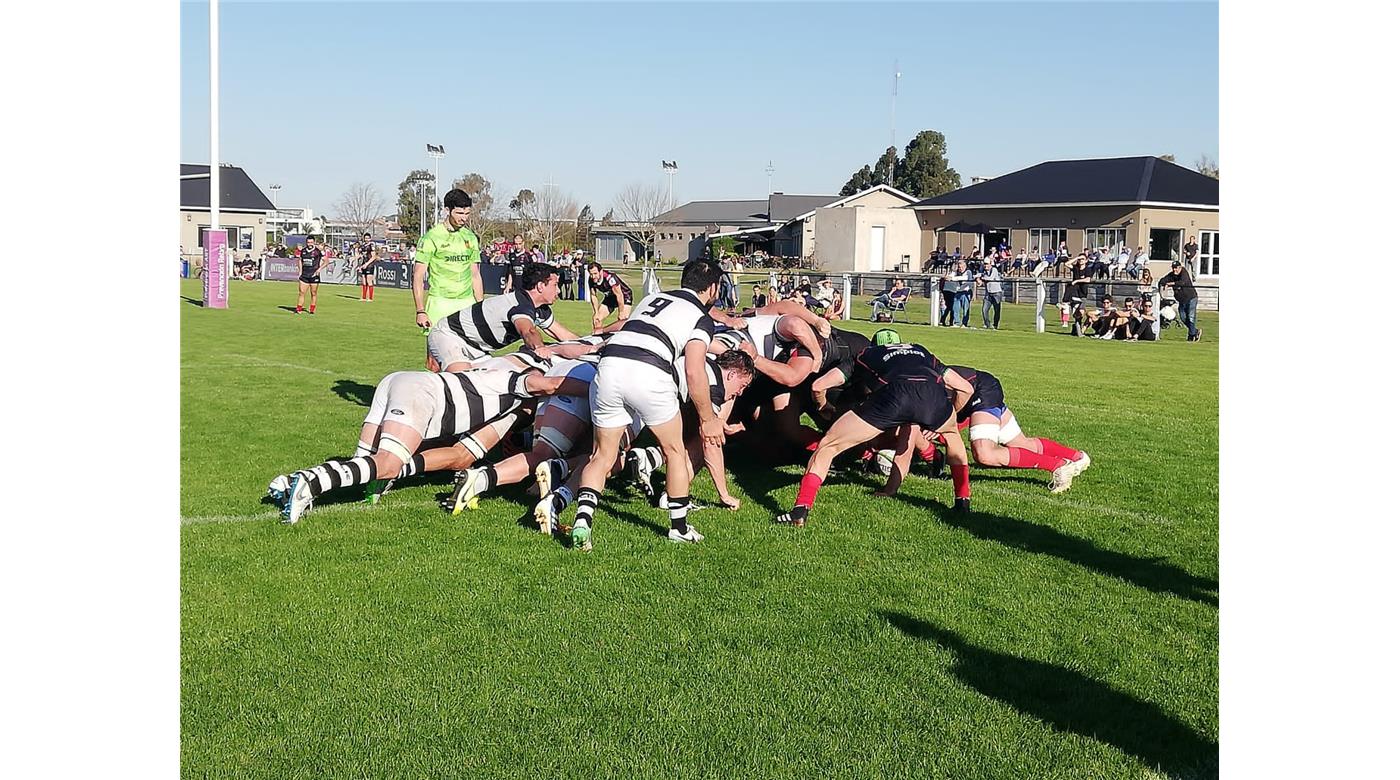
point(911, 390)
point(449, 255)
point(468, 336)
point(997, 440)
point(517, 257)
point(609, 294)
point(638, 373)
point(313, 261)
point(409, 407)
point(368, 253)
point(728, 375)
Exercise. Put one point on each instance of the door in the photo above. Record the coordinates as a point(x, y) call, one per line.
point(1208, 260)
point(877, 248)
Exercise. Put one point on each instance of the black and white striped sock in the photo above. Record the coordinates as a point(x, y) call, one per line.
point(587, 502)
point(652, 459)
point(680, 507)
point(413, 466)
point(338, 474)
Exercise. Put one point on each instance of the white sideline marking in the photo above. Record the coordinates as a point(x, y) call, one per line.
point(1061, 501)
point(257, 361)
point(272, 514)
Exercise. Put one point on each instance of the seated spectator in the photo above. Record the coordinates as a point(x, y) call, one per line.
point(759, 298)
point(821, 296)
point(1138, 263)
point(1019, 264)
point(1142, 322)
point(1124, 257)
point(895, 297)
point(837, 309)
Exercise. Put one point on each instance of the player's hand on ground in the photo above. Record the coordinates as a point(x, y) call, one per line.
point(731, 503)
point(712, 431)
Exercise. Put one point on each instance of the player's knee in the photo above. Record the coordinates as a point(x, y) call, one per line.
point(387, 464)
point(984, 452)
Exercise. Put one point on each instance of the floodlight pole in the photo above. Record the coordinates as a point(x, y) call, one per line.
point(769, 171)
point(437, 153)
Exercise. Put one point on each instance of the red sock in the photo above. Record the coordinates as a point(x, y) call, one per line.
point(1025, 459)
point(927, 455)
point(807, 492)
point(867, 454)
point(1052, 447)
point(370, 287)
point(364, 291)
point(313, 308)
point(298, 310)
point(962, 480)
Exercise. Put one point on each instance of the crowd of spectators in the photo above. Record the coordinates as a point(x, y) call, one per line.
point(1102, 262)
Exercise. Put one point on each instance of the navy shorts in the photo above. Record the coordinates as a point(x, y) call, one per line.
point(920, 401)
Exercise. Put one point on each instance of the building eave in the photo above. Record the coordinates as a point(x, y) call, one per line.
point(1136, 203)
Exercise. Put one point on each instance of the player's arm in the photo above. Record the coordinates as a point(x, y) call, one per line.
point(561, 333)
point(478, 290)
point(787, 308)
point(698, 387)
point(536, 383)
point(714, 462)
point(961, 389)
point(531, 335)
point(824, 384)
point(789, 374)
point(419, 271)
point(722, 317)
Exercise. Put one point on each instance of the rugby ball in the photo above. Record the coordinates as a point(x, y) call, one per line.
point(884, 461)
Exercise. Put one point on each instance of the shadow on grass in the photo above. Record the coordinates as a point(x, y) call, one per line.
point(288, 308)
point(192, 301)
point(1073, 702)
point(356, 393)
point(1151, 573)
point(754, 469)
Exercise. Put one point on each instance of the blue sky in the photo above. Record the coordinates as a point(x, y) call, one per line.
point(317, 96)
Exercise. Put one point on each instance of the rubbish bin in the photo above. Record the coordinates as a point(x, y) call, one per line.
point(184, 268)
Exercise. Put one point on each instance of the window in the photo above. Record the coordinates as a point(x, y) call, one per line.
point(245, 238)
point(232, 236)
point(1046, 239)
point(1112, 238)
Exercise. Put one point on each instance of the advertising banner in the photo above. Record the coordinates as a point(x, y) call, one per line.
point(388, 273)
point(281, 269)
point(215, 270)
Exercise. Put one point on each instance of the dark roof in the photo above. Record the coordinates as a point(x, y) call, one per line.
point(782, 208)
point(720, 212)
point(1114, 180)
point(237, 192)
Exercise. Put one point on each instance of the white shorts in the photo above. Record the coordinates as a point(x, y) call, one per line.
point(1002, 434)
point(411, 398)
point(447, 347)
point(626, 388)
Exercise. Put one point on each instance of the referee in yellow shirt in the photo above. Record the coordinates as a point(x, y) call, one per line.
point(450, 255)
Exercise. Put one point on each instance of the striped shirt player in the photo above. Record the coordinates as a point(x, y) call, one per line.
point(468, 336)
point(409, 407)
point(638, 374)
point(908, 385)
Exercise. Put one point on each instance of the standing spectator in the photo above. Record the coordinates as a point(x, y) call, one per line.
point(1192, 249)
point(1077, 291)
point(566, 276)
point(961, 281)
point(991, 280)
point(1061, 259)
point(1184, 290)
point(946, 291)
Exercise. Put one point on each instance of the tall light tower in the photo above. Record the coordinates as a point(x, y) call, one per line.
point(669, 168)
point(769, 171)
point(437, 153)
point(276, 188)
point(894, 96)
point(422, 182)
point(549, 205)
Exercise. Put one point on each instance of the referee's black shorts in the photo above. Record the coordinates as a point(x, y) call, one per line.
point(924, 402)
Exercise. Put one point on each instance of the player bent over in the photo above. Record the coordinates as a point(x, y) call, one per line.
point(997, 439)
point(909, 390)
point(638, 375)
point(466, 337)
point(408, 407)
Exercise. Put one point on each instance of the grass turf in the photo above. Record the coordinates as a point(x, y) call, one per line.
point(1041, 636)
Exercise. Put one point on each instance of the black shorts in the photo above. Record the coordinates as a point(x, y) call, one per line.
point(366, 271)
point(610, 301)
point(310, 279)
point(921, 401)
point(986, 394)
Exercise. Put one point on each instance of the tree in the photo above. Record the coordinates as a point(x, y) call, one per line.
point(360, 206)
point(1207, 165)
point(479, 187)
point(637, 207)
point(409, 209)
point(523, 207)
point(884, 167)
point(583, 231)
point(556, 210)
point(862, 179)
point(924, 172)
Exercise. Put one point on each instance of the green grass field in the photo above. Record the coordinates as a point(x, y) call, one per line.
point(1067, 636)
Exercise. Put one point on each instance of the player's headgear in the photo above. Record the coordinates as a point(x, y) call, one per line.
point(885, 336)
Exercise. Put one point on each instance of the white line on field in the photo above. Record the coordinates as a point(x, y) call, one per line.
point(1059, 501)
point(257, 361)
point(272, 514)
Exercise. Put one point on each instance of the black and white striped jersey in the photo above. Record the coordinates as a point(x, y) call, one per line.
point(660, 327)
point(490, 324)
point(713, 374)
point(469, 399)
point(762, 332)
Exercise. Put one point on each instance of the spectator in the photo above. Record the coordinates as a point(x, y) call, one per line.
point(1061, 259)
point(1142, 322)
point(932, 261)
point(1124, 258)
point(1184, 290)
point(1077, 291)
point(961, 280)
point(837, 309)
point(946, 290)
point(895, 297)
point(759, 299)
point(1192, 249)
point(1138, 264)
point(566, 277)
point(1019, 264)
point(991, 301)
